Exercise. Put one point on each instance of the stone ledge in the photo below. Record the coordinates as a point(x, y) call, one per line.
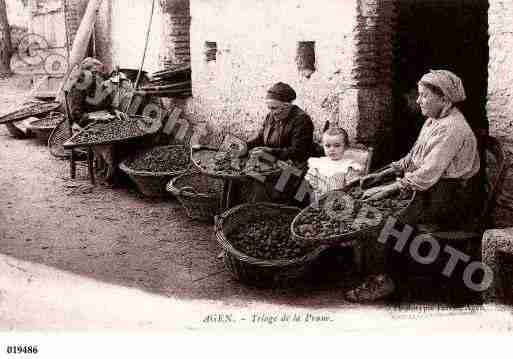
point(493, 241)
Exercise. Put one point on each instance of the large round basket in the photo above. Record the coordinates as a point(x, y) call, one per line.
point(43, 127)
point(348, 238)
point(254, 271)
point(199, 194)
point(153, 184)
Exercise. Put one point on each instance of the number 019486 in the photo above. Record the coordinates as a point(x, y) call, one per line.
point(22, 349)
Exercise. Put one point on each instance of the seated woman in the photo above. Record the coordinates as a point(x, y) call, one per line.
point(83, 101)
point(441, 167)
point(336, 169)
point(286, 134)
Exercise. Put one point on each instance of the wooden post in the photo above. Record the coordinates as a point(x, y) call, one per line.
point(82, 38)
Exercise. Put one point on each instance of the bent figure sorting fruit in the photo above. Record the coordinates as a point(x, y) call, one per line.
point(286, 135)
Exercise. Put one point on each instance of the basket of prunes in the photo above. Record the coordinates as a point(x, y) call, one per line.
point(258, 246)
point(341, 217)
point(152, 169)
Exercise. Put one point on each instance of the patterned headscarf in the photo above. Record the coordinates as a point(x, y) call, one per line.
point(91, 64)
point(450, 84)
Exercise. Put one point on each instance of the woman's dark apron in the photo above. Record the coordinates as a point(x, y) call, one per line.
point(451, 204)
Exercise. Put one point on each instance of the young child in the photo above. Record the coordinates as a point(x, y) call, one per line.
point(335, 169)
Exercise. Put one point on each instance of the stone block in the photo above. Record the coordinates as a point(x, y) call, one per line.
point(496, 241)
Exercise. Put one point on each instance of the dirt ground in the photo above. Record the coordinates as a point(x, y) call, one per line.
point(114, 234)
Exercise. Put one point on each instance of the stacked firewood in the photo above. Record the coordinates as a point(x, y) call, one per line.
point(174, 81)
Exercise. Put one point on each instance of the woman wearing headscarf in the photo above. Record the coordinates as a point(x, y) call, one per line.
point(441, 167)
point(287, 131)
point(90, 98)
point(286, 134)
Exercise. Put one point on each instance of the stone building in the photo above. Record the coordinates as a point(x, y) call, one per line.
point(351, 61)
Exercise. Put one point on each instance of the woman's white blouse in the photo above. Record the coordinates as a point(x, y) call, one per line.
point(445, 148)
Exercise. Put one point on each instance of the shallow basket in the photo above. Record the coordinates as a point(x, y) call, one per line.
point(43, 130)
point(199, 194)
point(254, 271)
point(153, 184)
point(32, 108)
point(345, 239)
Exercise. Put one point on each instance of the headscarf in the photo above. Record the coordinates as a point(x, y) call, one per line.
point(450, 84)
point(91, 64)
point(282, 92)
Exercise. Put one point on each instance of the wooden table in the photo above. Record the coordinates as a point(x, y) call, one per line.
point(114, 148)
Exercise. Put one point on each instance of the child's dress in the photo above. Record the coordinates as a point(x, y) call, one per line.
point(325, 174)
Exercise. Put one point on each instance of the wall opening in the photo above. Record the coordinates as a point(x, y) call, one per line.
point(305, 58)
point(449, 34)
point(210, 51)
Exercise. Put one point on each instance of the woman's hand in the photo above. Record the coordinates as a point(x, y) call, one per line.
point(261, 149)
point(380, 192)
point(370, 179)
point(373, 178)
point(263, 152)
point(242, 153)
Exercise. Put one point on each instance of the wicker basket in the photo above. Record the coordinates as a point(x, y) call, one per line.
point(153, 184)
point(59, 135)
point(43, 127)
point(206, 154)
point(254, 271)
point(200, 195)
point(28, 110)
point(346, 239)
point(141, 127)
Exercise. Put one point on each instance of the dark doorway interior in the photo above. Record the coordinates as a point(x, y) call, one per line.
point(439, 34)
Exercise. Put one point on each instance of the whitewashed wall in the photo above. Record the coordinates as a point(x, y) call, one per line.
point(257, 46)
point(128, 31)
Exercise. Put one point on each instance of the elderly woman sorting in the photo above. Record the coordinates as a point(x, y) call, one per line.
point(82, 101)
point(286, 134)
point(441, 167)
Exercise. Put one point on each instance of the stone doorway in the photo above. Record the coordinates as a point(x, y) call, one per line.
point(438, 34)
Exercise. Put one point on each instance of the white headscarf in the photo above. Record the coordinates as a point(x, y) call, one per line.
point(91, 64)
point(450, 84)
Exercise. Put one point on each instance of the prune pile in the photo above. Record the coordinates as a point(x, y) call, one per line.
point(221, 163)
point(254, 164)
point(160, 159)
point(224, 162)
point(333, 216)
point(50, 121)
point(269, 238)
point(205, 185)
point(117, 129)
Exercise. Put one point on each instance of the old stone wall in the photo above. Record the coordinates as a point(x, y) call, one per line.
point(129, 22)
point(500, 68)
point(103, 34)
point(176, 22)
point(73, 12)
point(372, 72)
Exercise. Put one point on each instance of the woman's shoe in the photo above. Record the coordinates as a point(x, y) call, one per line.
point(374, 288)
